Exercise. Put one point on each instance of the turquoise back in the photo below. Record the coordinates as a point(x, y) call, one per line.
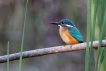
point(74, 32)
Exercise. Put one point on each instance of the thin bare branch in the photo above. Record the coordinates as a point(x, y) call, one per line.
point(50, 50)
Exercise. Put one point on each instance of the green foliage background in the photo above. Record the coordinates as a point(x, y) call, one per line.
point(40, 34)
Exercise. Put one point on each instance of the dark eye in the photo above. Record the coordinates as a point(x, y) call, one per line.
point(62, 23)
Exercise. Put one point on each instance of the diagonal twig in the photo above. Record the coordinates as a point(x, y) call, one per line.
point(50, 50)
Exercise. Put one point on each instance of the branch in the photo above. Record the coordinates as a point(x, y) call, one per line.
point(50, 50)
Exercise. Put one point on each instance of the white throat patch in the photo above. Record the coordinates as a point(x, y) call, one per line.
point(59, 25)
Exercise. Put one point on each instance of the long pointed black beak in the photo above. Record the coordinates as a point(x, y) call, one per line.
point(55, 23)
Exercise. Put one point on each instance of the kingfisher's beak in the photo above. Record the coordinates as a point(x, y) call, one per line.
point(55, 23)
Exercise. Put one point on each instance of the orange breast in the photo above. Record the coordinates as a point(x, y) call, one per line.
point(66, 37)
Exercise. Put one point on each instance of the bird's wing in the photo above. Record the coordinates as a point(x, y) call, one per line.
point(76, 34)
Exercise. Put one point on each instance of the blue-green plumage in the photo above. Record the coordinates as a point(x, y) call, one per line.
point(72, 30)
point(66, 21)
point(69, 25)
point(76, 34)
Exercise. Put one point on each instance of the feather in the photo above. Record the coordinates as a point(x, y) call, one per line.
point(76, 34)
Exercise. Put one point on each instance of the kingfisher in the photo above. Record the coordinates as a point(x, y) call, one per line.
point(68, 32)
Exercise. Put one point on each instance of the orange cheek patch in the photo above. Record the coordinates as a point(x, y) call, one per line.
point(66, 37)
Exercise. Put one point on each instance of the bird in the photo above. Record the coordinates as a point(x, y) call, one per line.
point(68, 32)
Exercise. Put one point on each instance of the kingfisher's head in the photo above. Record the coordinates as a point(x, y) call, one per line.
point(64, 23)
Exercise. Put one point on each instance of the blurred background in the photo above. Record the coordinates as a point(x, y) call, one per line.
point(40, 34)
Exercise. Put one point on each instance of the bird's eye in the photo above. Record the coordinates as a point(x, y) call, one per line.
point(62, 23)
